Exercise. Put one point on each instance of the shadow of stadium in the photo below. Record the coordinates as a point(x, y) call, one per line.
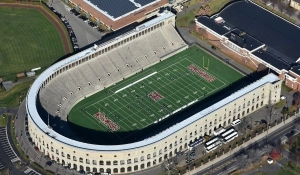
point(79, 133)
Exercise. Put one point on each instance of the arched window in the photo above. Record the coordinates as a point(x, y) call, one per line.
point(80, 160)
point(142, 158)
point(149, 156)
point(128, 161)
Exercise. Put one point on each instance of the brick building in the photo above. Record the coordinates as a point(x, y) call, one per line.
point(258, 40)
point(116, 14)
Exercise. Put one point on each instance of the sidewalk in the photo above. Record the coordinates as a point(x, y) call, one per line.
point(253, 140)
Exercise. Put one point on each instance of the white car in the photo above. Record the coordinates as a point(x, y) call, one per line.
point(282, 97)
point(270, 160)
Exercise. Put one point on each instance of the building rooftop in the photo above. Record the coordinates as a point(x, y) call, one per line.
point(271, 59)
point(208, 22)
point(265, 26)
point(242, 39)
point(115, 9)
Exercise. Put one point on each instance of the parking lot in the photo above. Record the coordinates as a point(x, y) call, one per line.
point(30, 171)
point(82, 31)
point(6, 145)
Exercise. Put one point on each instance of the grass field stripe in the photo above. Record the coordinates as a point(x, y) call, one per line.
point(135, 82)
point(148, 101)
point(182, 80)
point(125, 112)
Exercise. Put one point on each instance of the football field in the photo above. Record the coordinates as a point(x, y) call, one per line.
point(155, 93)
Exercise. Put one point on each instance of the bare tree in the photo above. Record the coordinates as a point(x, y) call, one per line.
point(290, 10)
point(243, 126)
point(242, 161)
point(267, 149)
point(298, 16)
point(201, 11)
point(202, 32)
point(255, 155)
point(273, 3)
point(296, 99)
point(207, 10)
point(281, 7)
point(265, 1)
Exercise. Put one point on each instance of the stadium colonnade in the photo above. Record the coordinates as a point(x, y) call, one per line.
point(101, 66)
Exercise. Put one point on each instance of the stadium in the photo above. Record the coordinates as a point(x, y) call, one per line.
point(121, 106)
point(260, 40)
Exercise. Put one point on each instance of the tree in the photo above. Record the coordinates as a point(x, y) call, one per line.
point(290, 10)
point(273, 3)
point(207, 10)
point(242, 161)
point(281, 7)
point(267, 149)
point(296, 99)
point(254, 155)
point(201, 11)
point(202, 32)
point(243, 125)
point(265, 1)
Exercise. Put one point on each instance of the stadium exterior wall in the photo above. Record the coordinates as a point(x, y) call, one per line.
point(118, 161)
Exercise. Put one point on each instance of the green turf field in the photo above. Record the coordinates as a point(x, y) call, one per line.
point(27, 40)
point(155, 93)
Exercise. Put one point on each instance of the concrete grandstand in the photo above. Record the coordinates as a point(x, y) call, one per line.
point(259, 40)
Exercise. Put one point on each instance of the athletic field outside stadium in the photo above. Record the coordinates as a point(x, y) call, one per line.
point(155, 93)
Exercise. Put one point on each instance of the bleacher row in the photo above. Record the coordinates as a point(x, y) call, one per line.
point(61, 93)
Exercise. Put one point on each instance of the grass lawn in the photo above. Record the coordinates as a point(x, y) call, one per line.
point(3, 120)
point(185, 20)
point(28, 40)
point(13, 97)
point(152, 95)
point(189, 17)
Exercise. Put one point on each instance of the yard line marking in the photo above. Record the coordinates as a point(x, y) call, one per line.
point(135, 82)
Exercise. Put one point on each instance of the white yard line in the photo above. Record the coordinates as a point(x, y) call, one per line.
point(135, 82)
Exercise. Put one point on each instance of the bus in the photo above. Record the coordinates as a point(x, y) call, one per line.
point(226, 133)
point(230, 137)
point(196, 143)
point(219, 131)
point(212, 144)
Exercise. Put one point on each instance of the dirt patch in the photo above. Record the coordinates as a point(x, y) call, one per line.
point(54, 21)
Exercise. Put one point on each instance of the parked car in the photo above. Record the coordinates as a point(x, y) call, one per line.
point(213, 47)
point(74, 12)
point(76, 47)
point(82, 17)
point(74, 40)
point(192, 154)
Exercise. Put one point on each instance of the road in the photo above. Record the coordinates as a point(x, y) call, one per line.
point(218, 168)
